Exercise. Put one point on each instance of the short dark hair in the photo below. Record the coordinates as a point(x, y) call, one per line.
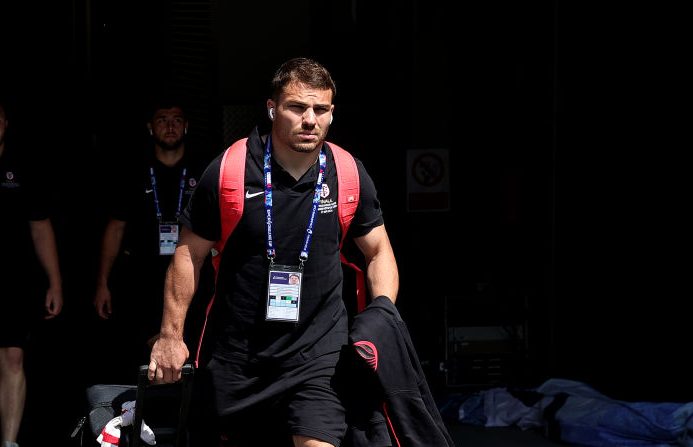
point(305, 71)
point(165, 102)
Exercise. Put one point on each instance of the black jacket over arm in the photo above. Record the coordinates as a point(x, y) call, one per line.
point(389, 385)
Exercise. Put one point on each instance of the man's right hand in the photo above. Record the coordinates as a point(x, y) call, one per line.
point(102, 302)
point(166, 361)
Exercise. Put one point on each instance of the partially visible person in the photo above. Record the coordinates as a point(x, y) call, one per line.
point(273, 375)
point(25, 230)
point(147, 196)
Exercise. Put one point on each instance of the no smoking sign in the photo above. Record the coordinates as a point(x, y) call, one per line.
point(428, 180)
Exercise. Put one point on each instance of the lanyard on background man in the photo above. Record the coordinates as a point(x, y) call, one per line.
point(168, 231)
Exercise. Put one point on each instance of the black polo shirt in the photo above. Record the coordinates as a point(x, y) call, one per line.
point(133, 200)
point(22, 199)
point(237, 323)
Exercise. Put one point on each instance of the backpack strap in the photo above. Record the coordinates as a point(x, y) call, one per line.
point(348, 189)
point(231, 200)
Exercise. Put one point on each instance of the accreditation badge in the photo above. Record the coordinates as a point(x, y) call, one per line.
point(284, 293)
point(168, 238)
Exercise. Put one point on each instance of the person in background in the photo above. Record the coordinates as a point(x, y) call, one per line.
point(272, 377)
point(25, 230)
point(147, 196)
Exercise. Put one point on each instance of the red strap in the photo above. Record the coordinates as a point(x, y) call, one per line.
point(231, 200)
point(348, 192)
point(348, 187)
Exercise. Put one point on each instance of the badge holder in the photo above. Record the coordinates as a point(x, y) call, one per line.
point(168, 238)
point(284, 293)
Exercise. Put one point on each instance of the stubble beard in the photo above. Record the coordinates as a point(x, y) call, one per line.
point(305, 148)
point(170, 146)
point(308, 148)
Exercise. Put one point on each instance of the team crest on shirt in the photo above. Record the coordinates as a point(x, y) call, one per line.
point(327, 205)
point(192, 182)
point(10, 181)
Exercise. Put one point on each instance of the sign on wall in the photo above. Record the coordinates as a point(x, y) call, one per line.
point(428, 180)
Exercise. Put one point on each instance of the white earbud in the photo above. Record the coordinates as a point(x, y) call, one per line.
point(270, 112)
point(331, 118)
point(150, 131)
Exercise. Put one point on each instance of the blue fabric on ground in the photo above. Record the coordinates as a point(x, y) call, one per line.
point(589, 418)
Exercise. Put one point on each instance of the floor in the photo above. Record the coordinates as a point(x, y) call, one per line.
point(473, 436)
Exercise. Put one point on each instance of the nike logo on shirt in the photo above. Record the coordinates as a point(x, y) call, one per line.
point(249, 195)
point(147, 191)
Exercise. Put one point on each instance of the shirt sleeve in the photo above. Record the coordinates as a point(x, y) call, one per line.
point(368, 213)
point(202, 215)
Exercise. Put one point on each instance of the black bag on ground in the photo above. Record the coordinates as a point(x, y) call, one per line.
point(163, 407)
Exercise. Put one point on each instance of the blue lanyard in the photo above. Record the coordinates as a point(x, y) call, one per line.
point(156, 194)
point(271, 253)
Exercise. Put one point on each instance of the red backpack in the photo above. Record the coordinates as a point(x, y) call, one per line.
point(231, 199)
